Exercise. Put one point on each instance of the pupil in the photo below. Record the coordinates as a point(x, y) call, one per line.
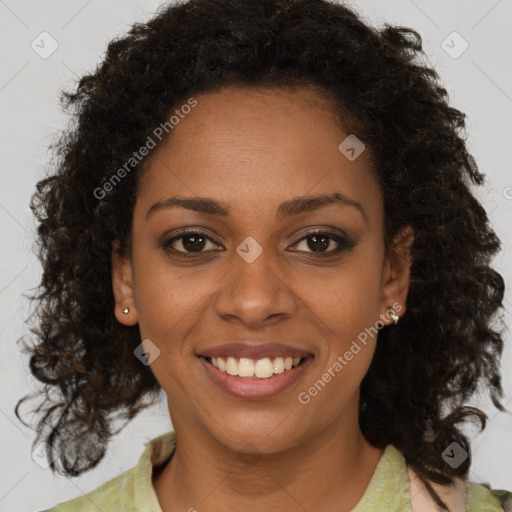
point(196, 241)
point(315, 238)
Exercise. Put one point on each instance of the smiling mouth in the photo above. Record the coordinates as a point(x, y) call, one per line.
point(246, 368)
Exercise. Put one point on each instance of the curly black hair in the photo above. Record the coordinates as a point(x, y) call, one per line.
point(424, 369)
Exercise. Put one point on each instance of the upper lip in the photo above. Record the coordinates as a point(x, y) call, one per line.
point(254, 350)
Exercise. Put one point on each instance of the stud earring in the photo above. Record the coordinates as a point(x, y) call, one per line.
point(125, 311)
point(394, 317)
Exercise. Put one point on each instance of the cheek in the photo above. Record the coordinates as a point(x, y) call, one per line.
point(347, 309)
point(166, 293)
point(348, 298)
point(347, 305)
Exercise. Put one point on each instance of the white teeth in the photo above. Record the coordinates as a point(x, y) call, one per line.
point(260, 368)
point(263, 369)
point(231, 366)
point(245, 367)
point(278, 365)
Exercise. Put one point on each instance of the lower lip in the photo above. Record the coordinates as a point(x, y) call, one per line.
point(255, 389)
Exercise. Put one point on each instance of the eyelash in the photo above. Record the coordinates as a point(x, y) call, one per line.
point(343, 243)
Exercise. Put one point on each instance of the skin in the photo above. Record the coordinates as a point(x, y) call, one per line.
point(252, 149)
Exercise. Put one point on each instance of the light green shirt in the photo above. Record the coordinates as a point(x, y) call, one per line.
point(388, 490)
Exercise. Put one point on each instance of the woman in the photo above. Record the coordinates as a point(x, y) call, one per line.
point(263, 209)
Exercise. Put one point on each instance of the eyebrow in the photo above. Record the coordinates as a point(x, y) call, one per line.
point(288, 208)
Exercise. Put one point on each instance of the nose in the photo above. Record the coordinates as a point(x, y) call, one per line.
point(256, 293)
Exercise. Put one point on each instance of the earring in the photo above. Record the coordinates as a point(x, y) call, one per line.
point(125, 311)
point(394, 317)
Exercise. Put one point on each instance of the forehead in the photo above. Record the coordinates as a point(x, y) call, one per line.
point(245, 145)
point(235, 122)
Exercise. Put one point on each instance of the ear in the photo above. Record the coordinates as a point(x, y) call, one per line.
point(396, 274)
point(122, 287)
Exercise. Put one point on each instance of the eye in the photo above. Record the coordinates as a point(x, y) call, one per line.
point(319, 241)
point(194, 244)
point(189, 243)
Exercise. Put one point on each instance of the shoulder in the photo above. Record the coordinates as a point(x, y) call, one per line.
point(106, 497)
point(461, 495)
point(129, 491)
point(481, 498)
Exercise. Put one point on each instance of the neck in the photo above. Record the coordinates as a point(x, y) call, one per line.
point(328, 472)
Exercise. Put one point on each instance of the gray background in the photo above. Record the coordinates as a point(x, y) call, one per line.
point(479, 82)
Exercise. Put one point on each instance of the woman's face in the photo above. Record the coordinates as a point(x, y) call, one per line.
point(253, 271)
